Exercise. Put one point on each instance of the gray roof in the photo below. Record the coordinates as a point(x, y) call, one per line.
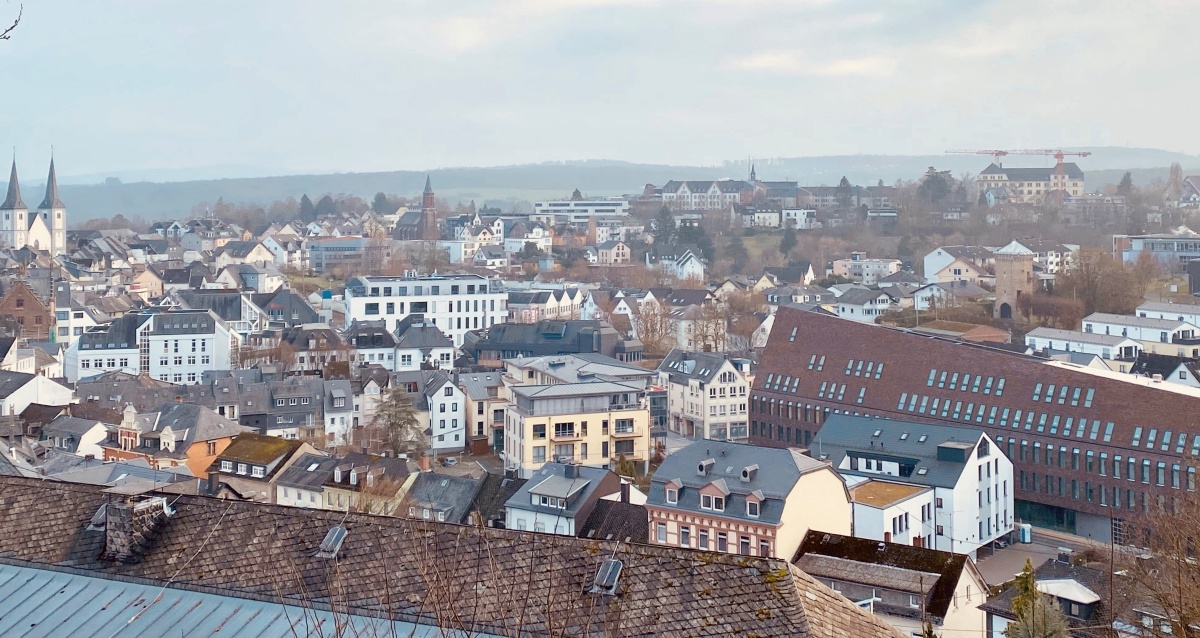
point(576, 389)
point(415, 333)
point(476, 384)
point(1039, 174)
point(13, 200)
point(72, 604)
point(915, 443)
point(777, 471)
point(860, 296)
point(51, 200)
point(1078, 336)
point(584, 367)
point(683, 365)
point(581, 492)
point(309, 472)
point(12, 381)
point(96, 472)
point(64, 425)
point(1136, 322)
point(442, 492)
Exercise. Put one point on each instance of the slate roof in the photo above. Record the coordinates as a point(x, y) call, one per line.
point(842, 433)
point(51, 200)
point(1071, 170)
point(1056, 334)
point(238, 249)
point(12, 381)
point(454, 494)
point(493, 494)
point(860, 296)
point(13, 200)
point(617, 521)
point(476, 384)
point(309, 472)
point(413, 332)
point(902, 277)
point(1094, 579)
point(682, 365)
point(503, 582)
point(790, 274)
point(778, 471)
point(928, 572)
point(1135, 322)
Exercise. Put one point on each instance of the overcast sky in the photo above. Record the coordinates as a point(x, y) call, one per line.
point(380, 85)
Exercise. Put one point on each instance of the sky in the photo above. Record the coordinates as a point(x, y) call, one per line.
point(372, 85)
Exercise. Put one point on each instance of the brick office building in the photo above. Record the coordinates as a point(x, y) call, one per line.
point(1085, 443)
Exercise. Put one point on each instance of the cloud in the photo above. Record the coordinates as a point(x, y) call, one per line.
point(794, 63)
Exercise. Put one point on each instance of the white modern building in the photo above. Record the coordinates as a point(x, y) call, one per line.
point(578, 211)
point(178, 346)
point(864, 270)
point(970, 479)
point(454, 303)
point(1160, 336)
point(1102, 345)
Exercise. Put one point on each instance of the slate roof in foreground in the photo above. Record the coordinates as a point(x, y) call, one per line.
point(490, 581)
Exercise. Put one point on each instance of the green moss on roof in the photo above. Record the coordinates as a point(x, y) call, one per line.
point(256, 448)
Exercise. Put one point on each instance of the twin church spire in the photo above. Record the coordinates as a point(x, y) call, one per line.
point(13, 200)
point(44, 228)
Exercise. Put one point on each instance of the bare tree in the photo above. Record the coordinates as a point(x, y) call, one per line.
point(709, 327)
point(6, 34)
point(655, 328)
point(1168, 578)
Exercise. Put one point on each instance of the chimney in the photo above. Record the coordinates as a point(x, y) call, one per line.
point(424, 462)
point(571, 471)
point(131, 527)
point(624, 492)
point(214, 483)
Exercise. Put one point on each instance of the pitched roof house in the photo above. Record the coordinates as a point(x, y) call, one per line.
point(505, 583)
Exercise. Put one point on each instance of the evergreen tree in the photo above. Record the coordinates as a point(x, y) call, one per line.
point(325, 206)
point(1126, 185)
point(308, 212)
point(663, 227)
point(1037, 617)
point(396, 425)
point(845, 192)
point(736, 250)
point(381, 205)
point(698, 236)
point(788, 241)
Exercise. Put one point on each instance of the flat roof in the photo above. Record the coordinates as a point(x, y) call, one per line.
point(884, 493)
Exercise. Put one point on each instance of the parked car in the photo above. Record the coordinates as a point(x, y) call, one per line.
point(450, 461)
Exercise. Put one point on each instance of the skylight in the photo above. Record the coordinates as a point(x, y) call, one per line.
point(877, 433)
point(923, 471)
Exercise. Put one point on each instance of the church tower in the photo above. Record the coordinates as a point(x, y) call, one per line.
point(14, 224)
point(429, 220)
point(54, 214)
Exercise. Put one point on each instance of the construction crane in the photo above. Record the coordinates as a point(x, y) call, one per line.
point(1059, 168)
point(996, 155)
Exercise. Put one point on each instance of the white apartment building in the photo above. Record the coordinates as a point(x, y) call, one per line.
point(1160, 336)
point(707, 395)
point(176, 346)
point(454, 303)
point(578, 211)
point(1189, 313)
point(892, 512)
point(863, 270)
point(970, 478)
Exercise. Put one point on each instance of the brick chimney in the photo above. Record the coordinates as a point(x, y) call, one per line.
point(132, 526)
point(424, 462)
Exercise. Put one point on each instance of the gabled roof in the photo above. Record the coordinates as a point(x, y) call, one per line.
point(1136, 322)
point(309, 472)
point(860, 296)
point(913, 442)
point(493, 494)
point(453, 495)
point(777, 470)
point(682, 365)
point(929, 573)
point(255, 448)
point(616, 521)
point(504, 582)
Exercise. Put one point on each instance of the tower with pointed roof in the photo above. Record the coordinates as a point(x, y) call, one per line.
point(54, 214)
point(14, 224)
point(429, 220)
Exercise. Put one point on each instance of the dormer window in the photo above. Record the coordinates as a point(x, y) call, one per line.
point(714, 503)
point(752, 509)
point(672, 496)
point(257, 471)
point(226, 466)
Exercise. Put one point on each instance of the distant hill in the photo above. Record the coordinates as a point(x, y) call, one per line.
point(164, 200)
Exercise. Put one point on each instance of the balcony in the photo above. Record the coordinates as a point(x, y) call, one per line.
point(567, 435)
point(626, 433)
